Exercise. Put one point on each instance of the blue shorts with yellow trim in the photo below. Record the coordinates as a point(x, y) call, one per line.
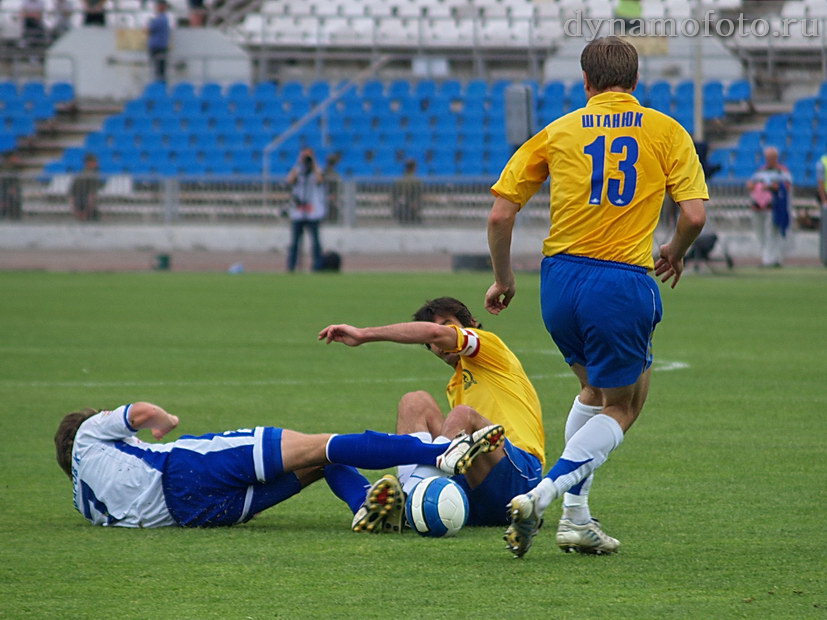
point(601, 314)
point(517, 472)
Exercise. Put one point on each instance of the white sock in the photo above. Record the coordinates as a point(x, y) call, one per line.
point(411, 475)
point(591, 446)
point(576, 507)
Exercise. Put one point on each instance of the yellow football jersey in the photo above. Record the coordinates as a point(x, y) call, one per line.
point(491, 379)
point(609, 164)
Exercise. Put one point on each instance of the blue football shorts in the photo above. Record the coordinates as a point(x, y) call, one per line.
point(223, 479)
point(601, 314)
point(517, 472)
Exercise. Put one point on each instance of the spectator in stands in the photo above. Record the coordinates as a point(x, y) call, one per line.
point(406, 196)
point(11, 197)
point(332, 187)
point(84, 190)
point(770, 192)
point(821, 180)
point(198, 13)
point(158, 31)
point(63, 18)
point(94, 12)
point(34, 32)
point(306, 181)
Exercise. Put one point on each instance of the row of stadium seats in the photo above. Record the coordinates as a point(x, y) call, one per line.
point(449, 127)
point(22, 108)
point(800, 137)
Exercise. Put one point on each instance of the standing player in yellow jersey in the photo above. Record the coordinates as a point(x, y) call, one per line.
point(489, 386)
point(610, 164)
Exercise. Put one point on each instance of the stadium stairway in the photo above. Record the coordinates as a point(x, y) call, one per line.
point(68, 129)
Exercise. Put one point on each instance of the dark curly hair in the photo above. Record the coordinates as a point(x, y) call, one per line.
point(65, 437)
point(446, 306)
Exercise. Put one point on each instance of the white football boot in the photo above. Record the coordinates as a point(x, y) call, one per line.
point(526, 521)
point(588, 538)
point(464, 448)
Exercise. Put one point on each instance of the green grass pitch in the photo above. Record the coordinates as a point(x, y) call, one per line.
point(719, 493)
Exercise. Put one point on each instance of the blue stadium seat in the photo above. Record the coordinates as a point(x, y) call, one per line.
point(713, 90)
point(713, 108)
point(660, 97)
point(684, 91)
point(211, 91)
point(476, 89)
point(8, 90)
point(265, 91)
point(777, 123)
point(372, 89)
point(196, 124)
point(215, 108)
point(42, 109)
point(576, 96)
point(399, 89)
point(739, 90)
point(153, 90)
point(743, 169)
point(114, 124)
point(425, 88)
point(238, 90)
point(96, 140)
point(33, 91)
point(136, 107)
point(750, 139)
point(554, 92)
point(801, 127)
point(62, 92)
point(8, 142)
point(450, 89)
point(189, 108)
point(22, 126)
point(805, 108)
point(318, 91)
point(291, 91)
point(183, 90)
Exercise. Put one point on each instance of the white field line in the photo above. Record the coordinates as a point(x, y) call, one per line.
point(658, 366)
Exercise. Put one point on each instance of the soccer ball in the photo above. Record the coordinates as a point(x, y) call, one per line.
point(437, 507)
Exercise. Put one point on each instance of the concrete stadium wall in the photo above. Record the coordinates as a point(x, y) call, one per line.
point(269, 237)
point(110, 63)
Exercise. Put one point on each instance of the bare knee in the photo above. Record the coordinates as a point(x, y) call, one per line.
point(463, 418)
point(418, 412)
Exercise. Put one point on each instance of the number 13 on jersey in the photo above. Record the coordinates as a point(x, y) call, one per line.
point(619, 192)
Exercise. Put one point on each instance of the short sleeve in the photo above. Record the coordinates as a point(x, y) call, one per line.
point(107, 425)
point(525, 172)
point(468, 342)
point(684, 173)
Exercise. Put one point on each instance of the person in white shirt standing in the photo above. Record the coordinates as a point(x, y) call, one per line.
point(306, 180)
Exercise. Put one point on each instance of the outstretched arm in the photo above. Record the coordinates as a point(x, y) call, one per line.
point(147, 415)
point(690, 223)
point(501, 221)
point(414, 332)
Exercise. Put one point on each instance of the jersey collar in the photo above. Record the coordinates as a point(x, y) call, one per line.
point(611, 97)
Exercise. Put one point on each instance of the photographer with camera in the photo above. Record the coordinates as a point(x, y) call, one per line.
point(308, 206)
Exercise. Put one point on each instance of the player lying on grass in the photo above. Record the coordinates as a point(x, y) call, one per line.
point(223, 479)
point(489, 386)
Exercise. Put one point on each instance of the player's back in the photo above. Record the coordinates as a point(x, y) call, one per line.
point(610, 164)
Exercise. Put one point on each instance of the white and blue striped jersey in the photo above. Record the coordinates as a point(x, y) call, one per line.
point(116, 477)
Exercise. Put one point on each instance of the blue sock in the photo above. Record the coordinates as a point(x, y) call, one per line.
point(347, 484)
point(372, 450)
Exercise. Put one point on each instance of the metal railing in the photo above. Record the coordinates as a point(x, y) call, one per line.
point(354, 202)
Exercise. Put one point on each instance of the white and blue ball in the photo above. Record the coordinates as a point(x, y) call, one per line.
point(436, 507)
